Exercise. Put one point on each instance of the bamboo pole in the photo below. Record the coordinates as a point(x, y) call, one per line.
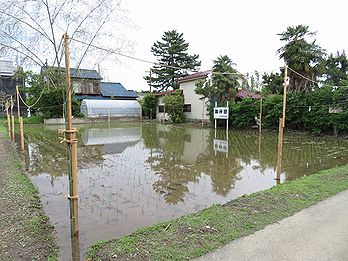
point(227, 118)
point(202, 112)
point(215, 119)
point(71, 139)
point(8, 120)
point(260, 120)
point(13, 128)
point(21, 133)
point(18, 109)
point(12, 119)
point(20, 121)
point(284, 94)
point(281, 130)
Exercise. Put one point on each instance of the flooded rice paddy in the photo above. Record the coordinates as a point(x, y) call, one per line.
point(132, 175)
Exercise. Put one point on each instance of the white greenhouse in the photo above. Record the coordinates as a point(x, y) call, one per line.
point(112, 108)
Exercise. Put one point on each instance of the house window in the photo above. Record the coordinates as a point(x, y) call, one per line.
point(187, 108)
point(160, 108)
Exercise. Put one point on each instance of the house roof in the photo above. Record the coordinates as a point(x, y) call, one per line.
point(116, 89)
point(77, 73)
point(194, 76)
point(247, 94)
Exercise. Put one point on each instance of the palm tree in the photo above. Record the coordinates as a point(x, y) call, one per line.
point(302, 56)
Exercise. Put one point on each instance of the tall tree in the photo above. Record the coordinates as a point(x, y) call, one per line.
point(223, 83)
point(273, 83)
point(173, 61)
point(301, 55)
point(336, 69)
point(32, 30)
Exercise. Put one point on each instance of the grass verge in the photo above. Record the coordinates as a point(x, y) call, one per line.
point(32, 120)
point(196, 234)
point(25, 231)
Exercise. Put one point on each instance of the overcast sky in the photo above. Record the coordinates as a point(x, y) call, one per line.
point(245, 30)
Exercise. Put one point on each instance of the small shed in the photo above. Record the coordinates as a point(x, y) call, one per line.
point(112, 108)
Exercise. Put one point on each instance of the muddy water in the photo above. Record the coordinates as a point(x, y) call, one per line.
point(134, 175)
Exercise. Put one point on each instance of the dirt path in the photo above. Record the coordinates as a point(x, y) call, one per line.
point(25, 232)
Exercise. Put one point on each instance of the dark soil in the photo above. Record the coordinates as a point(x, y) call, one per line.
point(25, 232)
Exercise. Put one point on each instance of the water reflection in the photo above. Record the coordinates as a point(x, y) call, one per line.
point(133, 175)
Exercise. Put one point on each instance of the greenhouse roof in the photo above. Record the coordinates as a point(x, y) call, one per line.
point(116, 89)
point(91, 97)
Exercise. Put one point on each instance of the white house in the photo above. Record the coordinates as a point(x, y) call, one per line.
point(195, 106)
point(161, 114)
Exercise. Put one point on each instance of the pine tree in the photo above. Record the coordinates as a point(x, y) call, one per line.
point(171, 54)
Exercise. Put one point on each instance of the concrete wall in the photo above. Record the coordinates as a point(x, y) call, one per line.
point(198, 106)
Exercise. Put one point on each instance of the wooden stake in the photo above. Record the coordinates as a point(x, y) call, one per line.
point(71, 139)
point(260, 117)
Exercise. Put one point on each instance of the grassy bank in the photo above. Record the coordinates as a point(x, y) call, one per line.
point(25, 231)
point(31, 120)
point(196, 234)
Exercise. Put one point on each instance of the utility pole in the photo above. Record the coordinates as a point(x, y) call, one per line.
point(71, 140)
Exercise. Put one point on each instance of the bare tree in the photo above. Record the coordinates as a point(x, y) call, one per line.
point(32, 29)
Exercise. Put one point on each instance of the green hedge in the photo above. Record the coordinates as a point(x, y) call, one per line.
point(304, 111)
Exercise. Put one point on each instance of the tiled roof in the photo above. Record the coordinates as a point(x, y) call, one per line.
point(194, 76)
point(115, 89)
point(247, 94)
point(78, 73)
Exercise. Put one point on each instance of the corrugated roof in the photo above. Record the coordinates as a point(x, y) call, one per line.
point(115, 89)
point(194, 76)
point(78, 73)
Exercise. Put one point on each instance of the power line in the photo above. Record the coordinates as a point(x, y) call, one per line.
point(313, 81)
point(150, 62)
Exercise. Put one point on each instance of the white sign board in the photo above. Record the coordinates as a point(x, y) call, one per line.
point(221, 113)
point(221, 145)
